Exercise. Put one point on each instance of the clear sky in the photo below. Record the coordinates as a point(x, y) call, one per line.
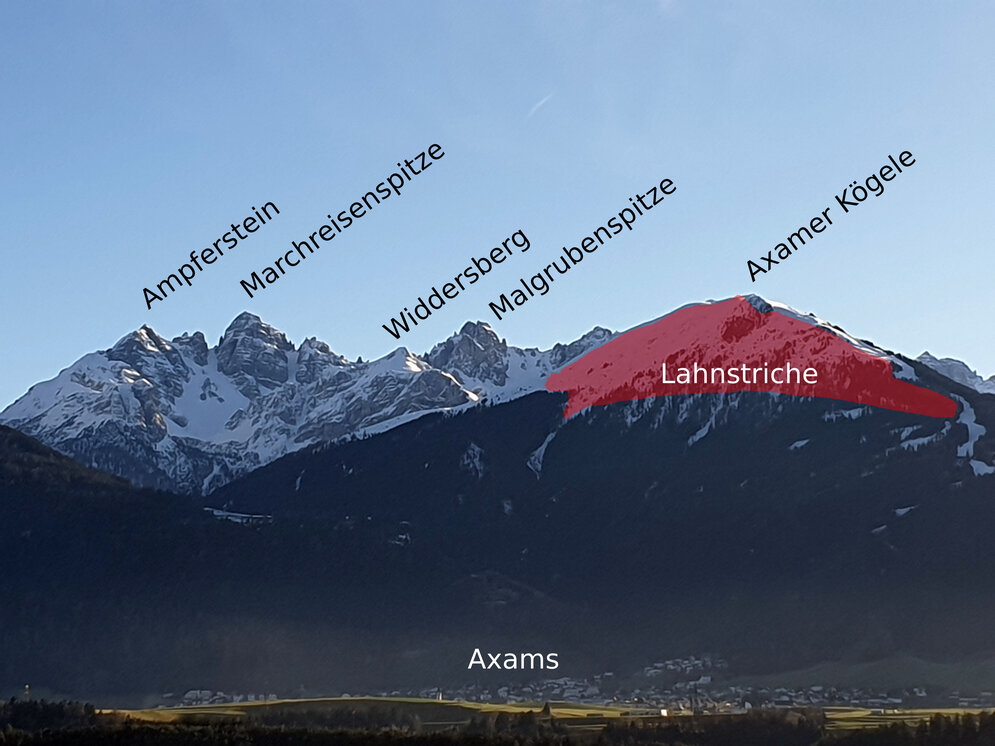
point(132, 133)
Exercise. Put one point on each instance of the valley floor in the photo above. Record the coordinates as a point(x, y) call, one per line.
point(417, 722)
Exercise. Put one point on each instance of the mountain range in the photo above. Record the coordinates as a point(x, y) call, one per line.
point(375, 546)
point(182, 416)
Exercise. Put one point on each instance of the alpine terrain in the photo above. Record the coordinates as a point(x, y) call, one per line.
point(182, 416)
point(358, 526)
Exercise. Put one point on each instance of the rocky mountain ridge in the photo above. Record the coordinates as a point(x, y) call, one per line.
point(183, 416)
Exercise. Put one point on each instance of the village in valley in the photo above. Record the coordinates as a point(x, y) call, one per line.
point(689, 685)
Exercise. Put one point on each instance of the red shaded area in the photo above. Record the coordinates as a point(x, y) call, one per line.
point(731, 334)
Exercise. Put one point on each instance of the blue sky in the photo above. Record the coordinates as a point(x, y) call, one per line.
point(133, 133)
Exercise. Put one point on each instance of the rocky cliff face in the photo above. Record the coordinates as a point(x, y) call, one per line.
point(183, 416)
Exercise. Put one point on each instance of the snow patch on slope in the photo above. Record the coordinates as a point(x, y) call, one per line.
point(974, 429)
point(536, 457)
point(913, 444)
point(958, 371)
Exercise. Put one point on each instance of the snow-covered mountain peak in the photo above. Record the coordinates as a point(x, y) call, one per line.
point(474, 354)
point(248, 326)
point(561, 354)
point(254, 354)
point(767, 306)
point(958, 371)
point(398, 359)
point(149, 356)
point(185, 416)
point(314, 346)
point(759, 303)
point(314, 359)
point(481, 332)
point(192, 345)
point(140, 342)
